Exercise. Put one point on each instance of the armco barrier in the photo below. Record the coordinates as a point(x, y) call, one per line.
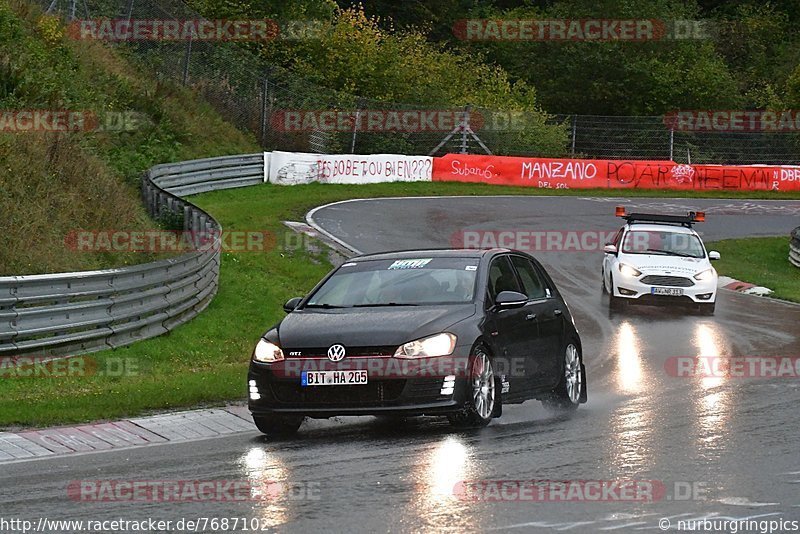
point(68, 313)
point(794, 247)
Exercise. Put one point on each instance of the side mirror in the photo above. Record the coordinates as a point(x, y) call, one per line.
point(511, 299)
point(610, 249)
point(291, 304)
point(713, 255)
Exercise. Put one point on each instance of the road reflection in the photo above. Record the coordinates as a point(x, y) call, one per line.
point(435, 475)
point(262, 470)
point(631, 443)
point(713, 403)
point(629, 361)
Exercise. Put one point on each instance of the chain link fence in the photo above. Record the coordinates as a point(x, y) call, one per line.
point(287, 112)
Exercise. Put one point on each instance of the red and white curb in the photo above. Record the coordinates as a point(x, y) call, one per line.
point(139, 432)
point(726, 282)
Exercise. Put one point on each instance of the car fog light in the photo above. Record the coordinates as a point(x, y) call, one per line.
point(624, 291)
point(448, 385)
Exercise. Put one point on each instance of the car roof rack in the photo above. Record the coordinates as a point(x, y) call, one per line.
point(680, 220)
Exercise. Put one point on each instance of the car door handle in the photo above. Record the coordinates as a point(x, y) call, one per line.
point(557, 312)
point(530, 317)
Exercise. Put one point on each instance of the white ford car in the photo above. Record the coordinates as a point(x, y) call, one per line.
point(659, 259)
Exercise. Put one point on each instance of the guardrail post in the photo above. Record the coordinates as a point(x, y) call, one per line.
point(187, 218)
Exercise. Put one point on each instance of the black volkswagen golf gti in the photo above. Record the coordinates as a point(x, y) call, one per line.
point(457, 333)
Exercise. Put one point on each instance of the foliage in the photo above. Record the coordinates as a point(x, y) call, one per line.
point(54, 183)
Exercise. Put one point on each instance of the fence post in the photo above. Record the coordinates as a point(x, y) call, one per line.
point(574, 133)
point(186, 59)
point(359, 104)
point(671, 142)
point(130, 10)
point(266, 105)
point(464, 129)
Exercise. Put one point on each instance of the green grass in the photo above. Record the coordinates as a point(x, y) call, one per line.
point(204, 361)
point(56, 183)
point(762, 261)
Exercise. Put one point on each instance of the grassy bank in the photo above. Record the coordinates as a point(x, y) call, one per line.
point(205, 360)
point(761, 261)
point(55, 182)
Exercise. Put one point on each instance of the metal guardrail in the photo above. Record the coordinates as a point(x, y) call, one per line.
point(69, 313)
point(794, 247)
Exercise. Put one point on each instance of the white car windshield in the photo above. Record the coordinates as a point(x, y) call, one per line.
point(663, 242)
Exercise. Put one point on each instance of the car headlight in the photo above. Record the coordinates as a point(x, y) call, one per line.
point(627, 270)
point(267, 352)
point(428, 347)
point(704, 275)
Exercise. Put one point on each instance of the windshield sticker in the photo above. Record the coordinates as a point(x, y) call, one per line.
point(410, 264)
point(471, 268)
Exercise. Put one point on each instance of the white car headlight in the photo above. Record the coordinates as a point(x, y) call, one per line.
point(627, 270)
point(267, 352)
point(704, 275)
point(428, 347)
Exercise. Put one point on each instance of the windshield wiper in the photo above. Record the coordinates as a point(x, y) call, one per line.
point(377, 305)
point(671, 253)
point(325, 306)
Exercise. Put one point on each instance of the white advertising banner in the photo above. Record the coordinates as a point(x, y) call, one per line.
point(290, 168)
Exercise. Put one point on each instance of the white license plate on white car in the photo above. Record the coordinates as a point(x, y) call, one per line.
point(333, 378)
point(669, 291)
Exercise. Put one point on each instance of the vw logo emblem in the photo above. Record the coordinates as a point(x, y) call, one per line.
point(336, 353)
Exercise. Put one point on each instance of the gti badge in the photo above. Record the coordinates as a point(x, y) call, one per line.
point(336, 353)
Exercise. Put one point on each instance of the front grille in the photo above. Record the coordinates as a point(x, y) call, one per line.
point(674, 281)
point(373, 393)
point(425, 388)
point(349, 351)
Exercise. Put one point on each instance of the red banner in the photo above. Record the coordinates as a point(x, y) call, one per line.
point(548, 173)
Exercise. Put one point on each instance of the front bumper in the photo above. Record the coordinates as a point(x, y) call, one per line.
point(628, 287)
point(406, 388)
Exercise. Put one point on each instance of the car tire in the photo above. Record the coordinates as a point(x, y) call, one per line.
point(707, 308)
point(603, 282)
point(571, 388)
point(278, 425)
point(483, 395)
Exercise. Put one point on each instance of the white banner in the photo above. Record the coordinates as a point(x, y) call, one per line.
point(290, 168)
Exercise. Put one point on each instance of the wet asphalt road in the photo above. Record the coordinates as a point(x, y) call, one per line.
point(734, 440)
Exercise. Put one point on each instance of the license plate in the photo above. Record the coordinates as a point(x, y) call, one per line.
point(333, 378)
point(669, 291)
